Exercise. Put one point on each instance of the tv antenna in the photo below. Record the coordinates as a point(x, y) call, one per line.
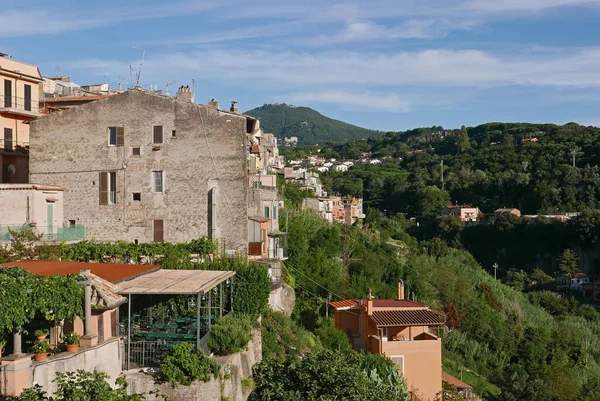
point(167, 85)
point(137, 75)
point(121, 82)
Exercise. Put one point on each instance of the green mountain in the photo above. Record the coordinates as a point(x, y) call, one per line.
point(310, 126)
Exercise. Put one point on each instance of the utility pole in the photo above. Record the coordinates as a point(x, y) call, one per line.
point(495, 266)
point(442, 164)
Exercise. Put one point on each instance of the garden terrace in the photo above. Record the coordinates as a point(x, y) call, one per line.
point(172, 306)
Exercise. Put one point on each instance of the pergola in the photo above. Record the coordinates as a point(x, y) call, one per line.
point(178, 282)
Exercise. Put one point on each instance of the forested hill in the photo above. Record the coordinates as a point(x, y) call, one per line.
point(310, 126)
point(527, 166)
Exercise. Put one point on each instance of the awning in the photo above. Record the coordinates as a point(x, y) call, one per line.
point(175, 282)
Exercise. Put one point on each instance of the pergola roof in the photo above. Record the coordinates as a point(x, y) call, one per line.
point(180, 282)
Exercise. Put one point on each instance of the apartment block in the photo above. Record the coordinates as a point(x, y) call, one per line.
point(20, 87)
point(141, 166)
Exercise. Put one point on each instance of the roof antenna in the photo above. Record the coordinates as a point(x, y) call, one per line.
point(137, 75)
point(167, 85)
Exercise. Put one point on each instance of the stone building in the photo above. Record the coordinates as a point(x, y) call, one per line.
point(140, 166)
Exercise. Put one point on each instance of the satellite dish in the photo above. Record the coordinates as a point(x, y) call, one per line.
point(12, 170)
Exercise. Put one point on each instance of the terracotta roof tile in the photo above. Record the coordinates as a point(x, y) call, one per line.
point(112, 272)
point(407, 318)
point(348, 303)
point(448, 378)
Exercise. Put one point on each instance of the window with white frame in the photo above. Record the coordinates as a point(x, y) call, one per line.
point(398, 361)
point(158, 182)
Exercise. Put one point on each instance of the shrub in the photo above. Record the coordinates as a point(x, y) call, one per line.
point(331, 337)
point(183, 365)
point(230, 335)
point(251, 290)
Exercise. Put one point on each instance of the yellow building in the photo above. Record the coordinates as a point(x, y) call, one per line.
point(20, 87)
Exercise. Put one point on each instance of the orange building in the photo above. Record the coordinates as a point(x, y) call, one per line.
point(407, 332)
point(20, 87)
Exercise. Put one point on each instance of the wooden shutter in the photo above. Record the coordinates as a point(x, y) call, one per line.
point(158, 134)
point(158, 231)
point(27, 97)
point(103, 181)
point(120, 136)
point(7, 93)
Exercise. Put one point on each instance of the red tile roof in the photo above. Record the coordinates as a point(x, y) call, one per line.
point(392, 303)
point(576, 275)
point(377, 303)
point(419, 317)
point(348, 303)
point(112, 272)
point(448, 378)
point(67, 99)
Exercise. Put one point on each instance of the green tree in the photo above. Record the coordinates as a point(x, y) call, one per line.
point(429, 201)
point(569, 262)
point(329, 375)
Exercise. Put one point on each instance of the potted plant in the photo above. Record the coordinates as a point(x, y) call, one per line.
point(72, 342)
point(41, 334)
point(40, 350)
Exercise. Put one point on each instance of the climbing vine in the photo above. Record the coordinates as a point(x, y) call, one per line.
point(24, 296)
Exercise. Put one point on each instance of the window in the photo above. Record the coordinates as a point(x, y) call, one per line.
point(274, 212)
point(7, 93)
point(27, 95)
point(72, 223)
point(137, 196)
point(174, 134)
point(157, 135)
point(399, 361)
point(157, 181)
point(108, 188)
point(158, 228)
point(116, 136)
point(8, 139)
point(266, 211)
point(135, 151)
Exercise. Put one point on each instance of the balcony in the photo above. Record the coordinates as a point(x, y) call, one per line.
point(15, 147)
point(21, 106)
point(67, 234)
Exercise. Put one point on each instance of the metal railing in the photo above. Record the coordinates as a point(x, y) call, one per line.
point(147, 354)
point(8, 145)
point(21, 104)
point(48, 234)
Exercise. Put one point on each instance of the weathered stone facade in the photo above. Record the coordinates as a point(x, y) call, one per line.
point(203, 149)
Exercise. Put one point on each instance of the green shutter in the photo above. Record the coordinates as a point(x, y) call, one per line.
point(266, 211)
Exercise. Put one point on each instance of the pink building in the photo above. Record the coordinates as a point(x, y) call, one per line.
point(407, 332)
point(463, 212)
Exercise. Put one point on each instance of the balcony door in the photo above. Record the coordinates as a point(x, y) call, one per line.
point(50, 219)
point(27, 95)
point(7, 93)
point(8, 139)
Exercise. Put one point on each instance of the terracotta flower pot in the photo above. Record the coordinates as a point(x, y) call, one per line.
point(72, 347)
point(40, 357)
point(42, 338)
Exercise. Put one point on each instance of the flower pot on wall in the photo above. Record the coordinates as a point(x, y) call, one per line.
point(72, 347)
point(40, 357)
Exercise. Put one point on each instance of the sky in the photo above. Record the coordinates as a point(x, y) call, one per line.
point(382, 64)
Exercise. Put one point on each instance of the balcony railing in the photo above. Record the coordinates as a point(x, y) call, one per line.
point(18, 147)
point(48, 234)
point(21, 105)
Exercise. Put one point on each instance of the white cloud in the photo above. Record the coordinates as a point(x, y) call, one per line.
point(362, 100)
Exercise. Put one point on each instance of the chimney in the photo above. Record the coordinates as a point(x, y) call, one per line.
point(185, 93)
point(234, 107)
point(400, 291)
point(213, 104)
point(370, 303)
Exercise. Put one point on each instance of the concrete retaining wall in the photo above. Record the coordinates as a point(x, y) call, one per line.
point(105, 357)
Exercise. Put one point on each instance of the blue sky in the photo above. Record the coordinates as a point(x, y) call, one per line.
point(382, 64)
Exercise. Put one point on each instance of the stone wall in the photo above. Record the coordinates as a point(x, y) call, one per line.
point(283, 299)
point(240, 365)
point(203, 148)
point(105, 357)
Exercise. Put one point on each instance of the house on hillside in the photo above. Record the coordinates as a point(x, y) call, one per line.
point(463, 212)
point(572, 281)
point(407, 332)
point(453, 385)
point(509, 210)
